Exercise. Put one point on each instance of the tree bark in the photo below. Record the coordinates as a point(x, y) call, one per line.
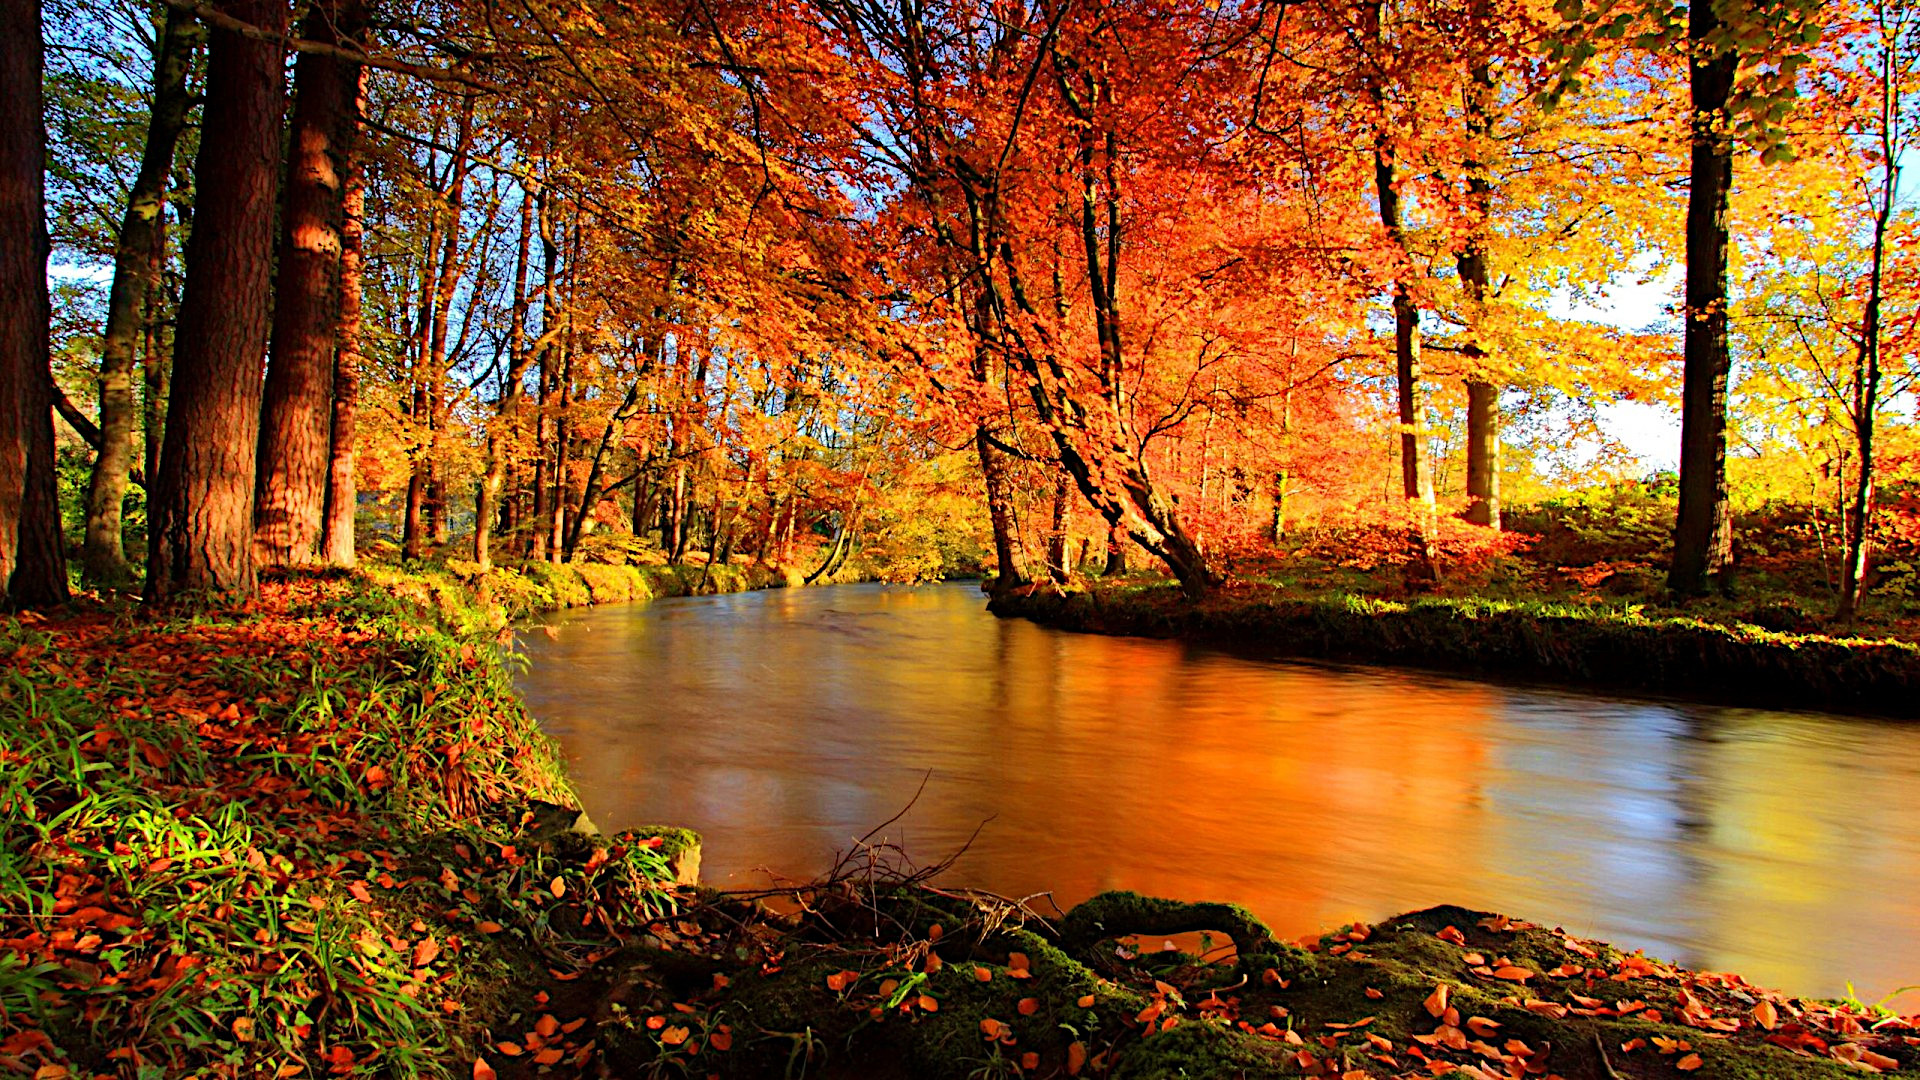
point(1703, 534)
point(1116, 552)
point(1057, 529)
point(1483, 394)
point(201, 512)
point(295, 421)
point(337, 517)
point(138, 255)
point(24, 307)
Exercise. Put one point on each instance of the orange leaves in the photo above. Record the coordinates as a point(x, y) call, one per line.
point(1017, 966)
point(675, 1035)
point(1451, 935)
point(1689, 1063)
point(840, 980)
point(983, 974)
point(1766, 1015)
point(1028, 1006)
point(1076, 1058)
point(482, 1070)
point(1436, 1003)
point(425, 952)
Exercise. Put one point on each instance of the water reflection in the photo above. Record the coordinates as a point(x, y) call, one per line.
point(781, 724)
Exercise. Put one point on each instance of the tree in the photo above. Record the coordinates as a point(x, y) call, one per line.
point(32, 559)
point(296, 415)
point(139, 254)
point(201, 510)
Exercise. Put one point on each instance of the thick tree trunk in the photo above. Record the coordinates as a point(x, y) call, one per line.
point(138, 255)
point(201, 512)
point(290, 490)
point(33, 569)
point(24, 307)
point(1703, 533)
point(337, 519)
point(1116, 552)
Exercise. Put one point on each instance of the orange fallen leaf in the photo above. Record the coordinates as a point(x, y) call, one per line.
point(1436, 1002)
point(1029, 1061)
point(425, 951)
point(1076, 1058)
point(549, 1056)
point(674, 1035)
point(1028, 1006)
point(1766, 1015)
point(558, 887)
point(1086, 1002)
point(1512, 974)
point(1452, 934)
point(511, 1049)
point(992, 1029)
point(546, 1025)
point(928, 1004)
point(720, 1040)
point(488, 927)
point(983, 974)
point(1689, 1063)
point(482, 1070)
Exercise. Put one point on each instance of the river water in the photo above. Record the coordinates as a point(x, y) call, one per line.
point(782, 724)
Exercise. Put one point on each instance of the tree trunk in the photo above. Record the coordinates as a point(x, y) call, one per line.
point(1483, 394)
point(201, 511)
point(137, 259)
point(24, 306)
point(1008, 553)
point(506, 426)
point(1703, 533)
point(295, 420)
point(1057, 529)
point(596, 471)
point(1116, 552)
point(1866, 379)
point(154, 366)
point(337, 520)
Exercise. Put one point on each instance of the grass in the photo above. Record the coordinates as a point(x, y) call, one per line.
point(1621, 644)
point(289, 840)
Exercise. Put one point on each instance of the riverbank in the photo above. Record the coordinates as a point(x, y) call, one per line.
point(1624, 648)
point(321, 836)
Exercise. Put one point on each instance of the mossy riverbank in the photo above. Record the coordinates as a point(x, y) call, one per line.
point(320, 836)
point(1622, 648)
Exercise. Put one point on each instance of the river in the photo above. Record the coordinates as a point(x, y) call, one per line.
point(782, 724)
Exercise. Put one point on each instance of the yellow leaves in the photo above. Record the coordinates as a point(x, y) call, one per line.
point(1766, 1015)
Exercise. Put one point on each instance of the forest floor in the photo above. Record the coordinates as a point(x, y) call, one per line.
point(319, 836)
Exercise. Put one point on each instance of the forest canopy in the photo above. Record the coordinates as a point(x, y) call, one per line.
point(1021, 288)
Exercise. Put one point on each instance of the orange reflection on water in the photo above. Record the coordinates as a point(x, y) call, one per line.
point(783, 724)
